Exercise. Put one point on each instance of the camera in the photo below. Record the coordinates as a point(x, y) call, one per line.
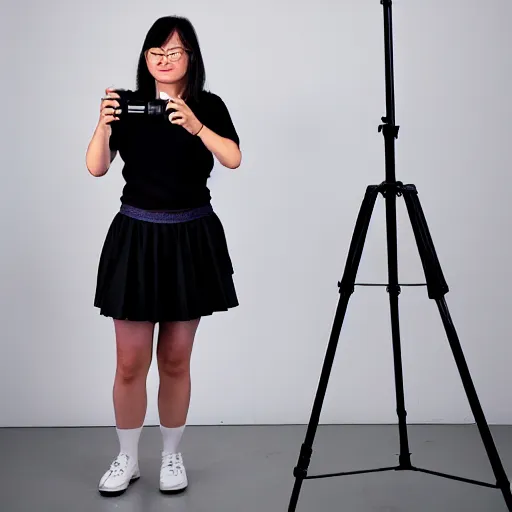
point(130, 105)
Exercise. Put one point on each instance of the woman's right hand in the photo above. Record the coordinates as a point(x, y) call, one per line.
point(109, 108)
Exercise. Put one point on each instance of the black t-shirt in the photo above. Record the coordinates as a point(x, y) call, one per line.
point(166, 167)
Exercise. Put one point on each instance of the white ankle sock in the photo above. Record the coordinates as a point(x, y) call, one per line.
point(171, 438)
point(129, 441)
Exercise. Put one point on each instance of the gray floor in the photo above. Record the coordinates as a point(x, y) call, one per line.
point(249, 469)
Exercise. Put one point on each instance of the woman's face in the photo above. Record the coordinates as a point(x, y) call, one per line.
point(171, 69)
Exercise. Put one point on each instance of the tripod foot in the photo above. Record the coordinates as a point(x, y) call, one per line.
point(507, 495)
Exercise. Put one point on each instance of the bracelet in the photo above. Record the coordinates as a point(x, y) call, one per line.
point(202, 126)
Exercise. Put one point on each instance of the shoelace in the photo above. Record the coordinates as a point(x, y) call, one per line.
point(173, 463)
point(118, 466)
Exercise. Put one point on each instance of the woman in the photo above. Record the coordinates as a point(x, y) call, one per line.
point(165, 259)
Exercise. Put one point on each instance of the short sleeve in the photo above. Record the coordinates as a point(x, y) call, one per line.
point(219, 119)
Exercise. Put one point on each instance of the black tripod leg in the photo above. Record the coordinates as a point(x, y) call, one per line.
point(437, 288)
point(394, 291)
point(346, 289)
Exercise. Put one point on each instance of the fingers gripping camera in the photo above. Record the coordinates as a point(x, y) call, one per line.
point(131, 105)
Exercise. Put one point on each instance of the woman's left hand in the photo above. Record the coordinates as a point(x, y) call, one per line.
point(183, 116)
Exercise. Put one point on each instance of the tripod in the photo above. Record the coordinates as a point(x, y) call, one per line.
point(436, 287)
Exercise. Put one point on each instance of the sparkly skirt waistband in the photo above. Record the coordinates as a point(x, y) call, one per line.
point(162, 217)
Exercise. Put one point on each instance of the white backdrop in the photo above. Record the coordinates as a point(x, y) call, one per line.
point(305, 86)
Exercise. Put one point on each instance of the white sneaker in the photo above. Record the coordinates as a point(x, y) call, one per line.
point(173, 477)
point(121, 473)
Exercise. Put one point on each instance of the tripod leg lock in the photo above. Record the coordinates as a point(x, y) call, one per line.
point(389, 130)
point(394, 290)
point(301, 470)
point(346, 288)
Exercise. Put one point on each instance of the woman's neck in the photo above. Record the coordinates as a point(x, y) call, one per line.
point(173, 90)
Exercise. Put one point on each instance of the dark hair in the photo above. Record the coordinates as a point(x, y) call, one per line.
point(158, 34)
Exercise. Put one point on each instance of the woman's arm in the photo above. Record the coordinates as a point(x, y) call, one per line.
point(226, 151)
point(99, 157)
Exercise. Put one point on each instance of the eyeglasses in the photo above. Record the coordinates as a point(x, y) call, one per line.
point(155, 55)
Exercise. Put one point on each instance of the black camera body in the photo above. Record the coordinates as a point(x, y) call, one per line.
point(131, 105)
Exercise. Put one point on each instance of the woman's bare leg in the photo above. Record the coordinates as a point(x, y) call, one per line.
point(174, 350)
point(134, 342)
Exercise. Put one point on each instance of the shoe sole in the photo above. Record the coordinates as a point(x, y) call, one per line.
point(117, 492)
point(174, 491)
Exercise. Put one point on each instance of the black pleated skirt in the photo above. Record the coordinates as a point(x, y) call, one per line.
point(163, 267)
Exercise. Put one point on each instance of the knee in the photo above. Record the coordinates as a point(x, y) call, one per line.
point(131, 369)
point(175, 341)
point(173, 364)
